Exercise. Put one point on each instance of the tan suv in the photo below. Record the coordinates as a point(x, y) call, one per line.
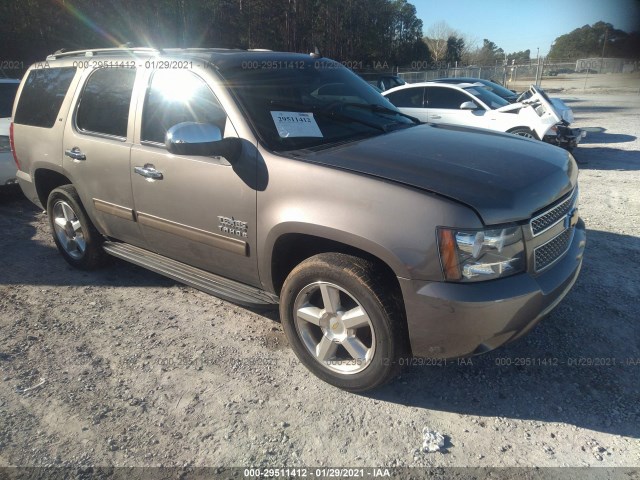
point(264, 178)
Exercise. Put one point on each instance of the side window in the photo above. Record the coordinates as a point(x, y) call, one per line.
point(176, 96)
point(7, 96)
point(407, 97)
point(442, 97)
point(42, 95)
point(104, 104)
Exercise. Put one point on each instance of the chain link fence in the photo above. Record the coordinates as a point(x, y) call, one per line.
point(518, 74)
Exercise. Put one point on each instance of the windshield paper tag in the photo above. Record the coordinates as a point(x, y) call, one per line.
point(296, 124)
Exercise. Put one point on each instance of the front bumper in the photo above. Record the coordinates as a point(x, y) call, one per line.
point(451, 320)
point(566, 137)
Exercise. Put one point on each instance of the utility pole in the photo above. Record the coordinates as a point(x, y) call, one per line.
point(604, 44)
point(537, 64)
point(504, 72)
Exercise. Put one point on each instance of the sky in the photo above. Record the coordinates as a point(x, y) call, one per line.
point(518, 25)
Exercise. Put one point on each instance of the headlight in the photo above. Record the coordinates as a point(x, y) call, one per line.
point(476, 255)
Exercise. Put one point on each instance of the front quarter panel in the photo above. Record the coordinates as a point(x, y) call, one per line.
point(395, 223)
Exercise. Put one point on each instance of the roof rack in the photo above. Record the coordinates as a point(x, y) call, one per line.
point(103, 51)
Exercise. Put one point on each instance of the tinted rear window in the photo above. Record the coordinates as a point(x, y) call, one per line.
point(7, 96)
point(42, 96)
point(442, 97)
point(104, 104)
point(407, 97)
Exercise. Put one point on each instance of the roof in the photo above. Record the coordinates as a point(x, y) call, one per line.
point(221, 58)
point(214, 55)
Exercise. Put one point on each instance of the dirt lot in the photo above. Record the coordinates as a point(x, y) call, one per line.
point(122, 367)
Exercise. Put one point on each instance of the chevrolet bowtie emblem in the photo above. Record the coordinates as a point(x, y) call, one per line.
point(571, 219)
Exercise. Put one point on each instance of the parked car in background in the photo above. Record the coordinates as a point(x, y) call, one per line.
point(509, 95)
point(8, 168)
point(382, 81)
point(563, 111)
point(472, 105)
point(559, 71)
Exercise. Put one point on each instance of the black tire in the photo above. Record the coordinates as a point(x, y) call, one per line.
point(78, 241)
point(356, 283)
point(524, 132)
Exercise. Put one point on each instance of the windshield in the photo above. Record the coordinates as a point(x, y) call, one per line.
point(490, 99)
point(309, 103)
point(499, 90)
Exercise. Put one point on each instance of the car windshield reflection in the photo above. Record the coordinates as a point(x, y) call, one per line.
point(310, 103)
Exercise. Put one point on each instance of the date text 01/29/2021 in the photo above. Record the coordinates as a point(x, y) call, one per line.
point(324, 472)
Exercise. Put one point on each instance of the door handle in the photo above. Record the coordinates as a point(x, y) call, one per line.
point(436, 116)
point(148, 171)
point(75, 153)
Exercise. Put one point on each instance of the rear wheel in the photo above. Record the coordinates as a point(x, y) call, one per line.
point(76, 238)
point(343, 321)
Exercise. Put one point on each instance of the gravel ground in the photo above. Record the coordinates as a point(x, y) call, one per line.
point(122, 367)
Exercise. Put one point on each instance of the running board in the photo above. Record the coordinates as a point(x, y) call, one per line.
point(221, 287)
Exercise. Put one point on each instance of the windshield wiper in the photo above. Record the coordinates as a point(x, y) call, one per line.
point(374, 107)
point(321, 111)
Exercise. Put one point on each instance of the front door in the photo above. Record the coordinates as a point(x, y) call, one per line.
point(194, 209)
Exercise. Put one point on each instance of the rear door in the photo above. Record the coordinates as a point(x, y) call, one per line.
point(96, 150)
point(195, 209)
point(410, 101)
point(443, 105)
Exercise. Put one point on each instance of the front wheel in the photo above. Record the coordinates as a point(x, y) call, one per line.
point(523, 132)
point(76, 238)
point(344, 321)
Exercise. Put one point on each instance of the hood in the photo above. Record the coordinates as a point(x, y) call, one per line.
point(511, 107)
point(537, 95)
point(562, 109)
point(503, 177)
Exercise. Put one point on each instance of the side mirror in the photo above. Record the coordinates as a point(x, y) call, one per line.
point(469, 106)
point(201, 139)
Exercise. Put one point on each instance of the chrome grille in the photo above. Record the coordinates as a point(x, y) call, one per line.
point(548, 253)
point(549, 218)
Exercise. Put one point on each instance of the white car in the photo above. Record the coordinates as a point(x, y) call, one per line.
point(8, 89)
point(510, 96)
point(472, 105)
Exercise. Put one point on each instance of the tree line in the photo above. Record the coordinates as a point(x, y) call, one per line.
point(361, 33)
point(598, 40)
point(448, 46)
point(383, 31)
